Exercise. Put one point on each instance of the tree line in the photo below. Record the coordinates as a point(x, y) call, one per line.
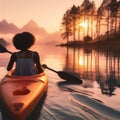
point(87, 22)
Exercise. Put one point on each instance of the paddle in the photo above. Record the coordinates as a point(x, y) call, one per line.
point(3, 49)
point(62, 74)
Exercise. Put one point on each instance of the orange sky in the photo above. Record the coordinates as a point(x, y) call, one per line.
point(46, 13)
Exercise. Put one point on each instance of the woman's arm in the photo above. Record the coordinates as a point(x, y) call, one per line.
point(11, 62)
point(37, 62)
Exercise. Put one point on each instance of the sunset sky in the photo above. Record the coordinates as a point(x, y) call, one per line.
point(46, 13)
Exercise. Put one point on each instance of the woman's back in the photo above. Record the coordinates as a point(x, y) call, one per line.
point(25, 63)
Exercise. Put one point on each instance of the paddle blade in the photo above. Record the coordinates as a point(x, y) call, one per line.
point(68, 76)
point(3, 49)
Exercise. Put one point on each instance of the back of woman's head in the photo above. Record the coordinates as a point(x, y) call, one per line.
point(23, 41)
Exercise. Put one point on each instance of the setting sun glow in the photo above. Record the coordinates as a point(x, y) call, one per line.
point(84, 24)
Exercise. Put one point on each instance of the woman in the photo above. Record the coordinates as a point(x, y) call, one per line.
point(27, 61)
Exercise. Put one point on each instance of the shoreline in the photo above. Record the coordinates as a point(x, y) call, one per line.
point(103, 44)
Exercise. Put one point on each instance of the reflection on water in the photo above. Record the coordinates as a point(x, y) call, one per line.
point(91, 65)
point(95, 65)
point(99, 71)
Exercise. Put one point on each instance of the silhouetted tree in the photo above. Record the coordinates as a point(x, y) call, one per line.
point(103, 16)
point(100, 14)
point(66, 26)
point(114, 10)
point(93, 12)
point(119, 15)
point(74, 11)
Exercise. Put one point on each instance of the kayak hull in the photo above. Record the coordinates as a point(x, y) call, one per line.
point(20, 94)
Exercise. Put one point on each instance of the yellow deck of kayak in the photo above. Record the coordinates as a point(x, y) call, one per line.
point(20, 94)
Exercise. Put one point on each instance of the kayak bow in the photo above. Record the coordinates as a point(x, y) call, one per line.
point(20, 94)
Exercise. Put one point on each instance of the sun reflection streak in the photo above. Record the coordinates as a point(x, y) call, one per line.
point(81, 60)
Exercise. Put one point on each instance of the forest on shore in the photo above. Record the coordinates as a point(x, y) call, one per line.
point(88, 25)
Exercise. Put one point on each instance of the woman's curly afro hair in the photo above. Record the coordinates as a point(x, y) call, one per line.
point(23, 41)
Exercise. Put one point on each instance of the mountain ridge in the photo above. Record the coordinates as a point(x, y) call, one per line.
point(6, 27)
point(31, 26)
point(11, 28)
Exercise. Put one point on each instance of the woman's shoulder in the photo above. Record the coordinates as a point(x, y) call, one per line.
point(35, 54)
point(32, 52)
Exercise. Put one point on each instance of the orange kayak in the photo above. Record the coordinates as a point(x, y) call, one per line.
point(20, 94)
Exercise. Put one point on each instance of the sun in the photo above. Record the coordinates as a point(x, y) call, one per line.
point(84, 24)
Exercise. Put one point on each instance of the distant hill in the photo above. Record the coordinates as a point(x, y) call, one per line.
point(6, 28)
point(31, 26)
point(40, 33)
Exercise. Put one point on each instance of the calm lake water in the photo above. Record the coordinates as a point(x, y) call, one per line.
point(98, 98)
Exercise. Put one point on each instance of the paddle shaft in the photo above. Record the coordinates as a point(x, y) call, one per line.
point(66, 76)
point(9, 52)
point(52, 69)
